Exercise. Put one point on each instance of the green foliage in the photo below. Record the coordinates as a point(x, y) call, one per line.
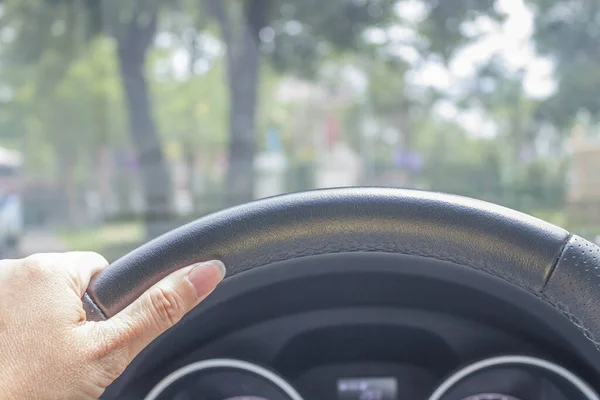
point(305, 33)
point(77, 115)
point(568, 33)
point(387, 88)
point(192, 109)
point(442, 25)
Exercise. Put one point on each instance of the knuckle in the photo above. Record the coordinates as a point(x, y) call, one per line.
point(33, 268)
point(167, 306)
point(41, 258)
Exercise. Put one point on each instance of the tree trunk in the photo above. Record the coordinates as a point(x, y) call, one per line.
point(243, 63)
point(191, 155)
point(243, 88)
point(156, 182)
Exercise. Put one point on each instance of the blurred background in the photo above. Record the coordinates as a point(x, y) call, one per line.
point(121, 119)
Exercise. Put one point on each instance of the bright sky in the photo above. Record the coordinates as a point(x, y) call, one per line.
point(511, 40)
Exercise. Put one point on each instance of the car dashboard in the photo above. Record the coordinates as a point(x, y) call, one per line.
point(366, 327)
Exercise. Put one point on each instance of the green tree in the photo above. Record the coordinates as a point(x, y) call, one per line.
point(56, 30)
point(62, 127)
point(567, 33)
point(191, 111)
point(297, 36)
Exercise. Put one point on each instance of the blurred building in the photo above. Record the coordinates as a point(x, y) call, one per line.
point(318, 155)
point(583, 195)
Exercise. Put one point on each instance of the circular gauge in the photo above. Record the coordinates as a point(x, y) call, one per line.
point(223, 379)
point(513, 378)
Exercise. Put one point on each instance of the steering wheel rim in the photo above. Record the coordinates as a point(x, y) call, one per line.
point(533, 255)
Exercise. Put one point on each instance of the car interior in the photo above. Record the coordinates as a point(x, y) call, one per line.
point(357, 165)
point(368, 293)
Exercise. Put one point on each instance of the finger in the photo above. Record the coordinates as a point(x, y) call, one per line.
point(82, 266)
point(164, 304)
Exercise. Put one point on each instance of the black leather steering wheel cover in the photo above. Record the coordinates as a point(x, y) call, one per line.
point(516, 247)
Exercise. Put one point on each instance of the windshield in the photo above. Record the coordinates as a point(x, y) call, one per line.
point(120, 120)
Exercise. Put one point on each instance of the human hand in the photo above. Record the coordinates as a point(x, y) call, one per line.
point(47, 348)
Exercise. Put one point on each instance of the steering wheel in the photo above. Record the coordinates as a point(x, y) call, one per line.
point(560, 268)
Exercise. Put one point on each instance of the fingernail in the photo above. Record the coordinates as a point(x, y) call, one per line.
point(205, 276)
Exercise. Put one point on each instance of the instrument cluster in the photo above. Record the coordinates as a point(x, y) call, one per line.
point(509, 377)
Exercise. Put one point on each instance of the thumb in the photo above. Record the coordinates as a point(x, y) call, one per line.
point(164, 304)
